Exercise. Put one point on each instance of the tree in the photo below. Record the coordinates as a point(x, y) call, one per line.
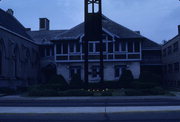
point(126, 79)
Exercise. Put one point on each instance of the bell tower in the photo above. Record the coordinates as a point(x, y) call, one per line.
point(93, 32)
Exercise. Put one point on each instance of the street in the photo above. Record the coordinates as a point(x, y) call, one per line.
point(118, 117)
point(89, 102)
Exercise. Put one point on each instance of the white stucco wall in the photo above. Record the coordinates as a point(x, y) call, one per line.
point(109, 71)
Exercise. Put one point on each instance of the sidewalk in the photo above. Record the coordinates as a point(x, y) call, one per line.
point(17, 97)
point(85, 110)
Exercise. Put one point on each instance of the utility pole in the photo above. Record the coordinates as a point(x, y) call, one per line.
point(93, 32)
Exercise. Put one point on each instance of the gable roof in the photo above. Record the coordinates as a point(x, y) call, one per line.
point(148, 44)
point(117, 30)
point(11, 23)
point(44, 36)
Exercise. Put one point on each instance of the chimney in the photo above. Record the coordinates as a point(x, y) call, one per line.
point(179, 29)
point(10, 11)
point(138, 32)
point(43, 24)
point(28, 29)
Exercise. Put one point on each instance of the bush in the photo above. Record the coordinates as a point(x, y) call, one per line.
point(126, 79)
point(104, 85)
point(42, 92)
point(58, 79)
point(76, 82)
point(106, 93)
point(75, 92)
point(150, 78)
point(8, 91)
point(143, 85)
point(158, 91)
point(133, 92)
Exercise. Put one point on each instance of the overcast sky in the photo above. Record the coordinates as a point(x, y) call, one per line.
point(156, 19)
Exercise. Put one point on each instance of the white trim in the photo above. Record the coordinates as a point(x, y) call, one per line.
point(109, 60)
point(109, 33)
point(1, 27)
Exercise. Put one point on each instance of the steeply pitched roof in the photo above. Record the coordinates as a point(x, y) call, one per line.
point(111, 26)
point(11, 23)
point(174, 39)
point(44, 36)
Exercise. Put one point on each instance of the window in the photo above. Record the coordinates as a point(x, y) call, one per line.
point(169, 50)
point(170, 68)
point(175, 46)
point(95, 71)
point(65, 48)
point(110, 47)
point(77, 47)
point(71, 46)
point(164, 52)
point(48, 51)
point(75, 70)
point(119, 70)
point(91, 47)
point(117, 43)
point(123, 46)
point(176, 67)
point(165, 69)
point(130, 46)
point(97, 47)
point(137, 46)
point(58, 48)
point(104, 47)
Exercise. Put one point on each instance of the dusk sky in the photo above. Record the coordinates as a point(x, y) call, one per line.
point(156, 19)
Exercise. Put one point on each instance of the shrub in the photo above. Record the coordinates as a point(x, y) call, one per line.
point(76, 82)
point(106, 93)
point(157, 91)
point(126, 79)
point(8, 91)
point(104, 85)
point(133, 92)
point(42, 92)
point(150, 77)
point(143, 85)
point(75, 92)
point(58, 79)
